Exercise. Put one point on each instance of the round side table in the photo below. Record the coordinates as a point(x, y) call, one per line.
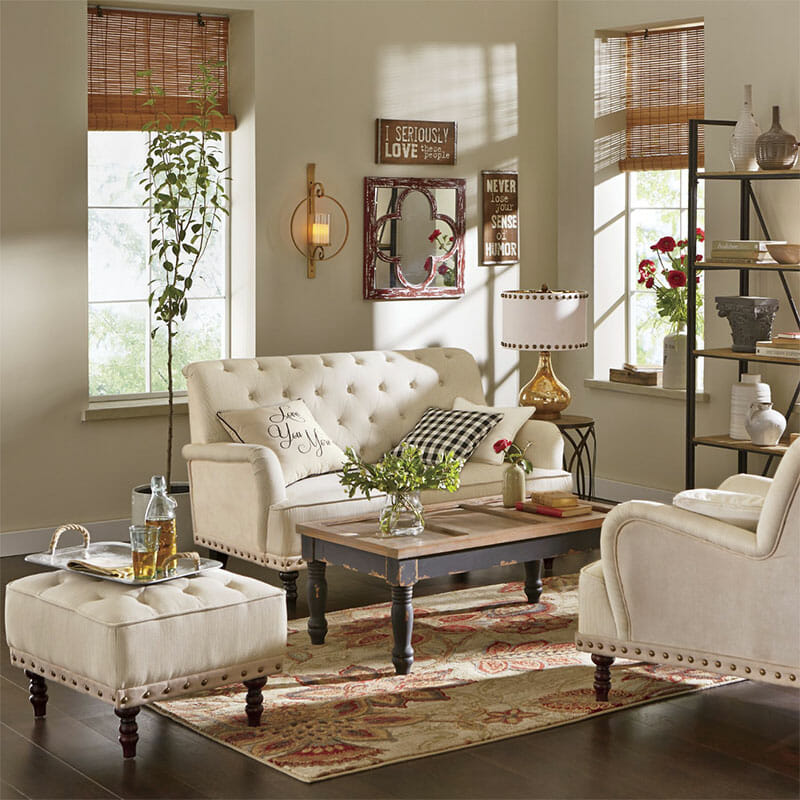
point(579, 432)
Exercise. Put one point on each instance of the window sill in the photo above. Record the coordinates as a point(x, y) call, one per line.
point(131, 409)
point(646, 391)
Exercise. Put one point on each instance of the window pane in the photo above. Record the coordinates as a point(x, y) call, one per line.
point(201, 336)
point(117, 254)
point(647, 227)
point(656, 189)
point(649, 329)
point(209, 277)
point(115, 160)
point(117, 348)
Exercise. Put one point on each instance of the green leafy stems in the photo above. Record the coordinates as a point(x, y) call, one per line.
point(185, 181)
point(513, 454)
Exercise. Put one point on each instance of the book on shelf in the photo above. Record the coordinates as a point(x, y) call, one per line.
point(641, 367)
point(781, 352)
point(733, 257)
point(550, 511)
point(787, 335)
point(743, 245)
point(638, 378)
point(555, 499)
point(783, 344)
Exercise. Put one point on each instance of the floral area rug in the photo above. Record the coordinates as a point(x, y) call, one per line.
point(487, 666)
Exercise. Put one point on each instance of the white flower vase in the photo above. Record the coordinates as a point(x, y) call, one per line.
point(742, 147)
point(402, 515)
point(674, 374)
point(765, 425)
point(513, 485)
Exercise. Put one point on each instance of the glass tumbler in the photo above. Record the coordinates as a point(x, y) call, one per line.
point(144, 551)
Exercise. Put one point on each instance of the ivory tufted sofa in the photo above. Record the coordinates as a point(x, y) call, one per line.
point(366, 400)
point(678, 588)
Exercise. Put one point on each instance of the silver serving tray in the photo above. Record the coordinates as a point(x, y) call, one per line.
point(115, 554)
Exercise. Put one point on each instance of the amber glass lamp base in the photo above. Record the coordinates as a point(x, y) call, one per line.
point(545, 391)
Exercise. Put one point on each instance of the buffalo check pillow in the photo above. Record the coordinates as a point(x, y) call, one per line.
point(439, 431)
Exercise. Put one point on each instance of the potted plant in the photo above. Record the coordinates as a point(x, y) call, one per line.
point(401, 477)
point(514, 475)
point(184, 179)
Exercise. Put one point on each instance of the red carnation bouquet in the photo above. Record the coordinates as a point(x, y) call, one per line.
point(669, 278)
point(513, 453)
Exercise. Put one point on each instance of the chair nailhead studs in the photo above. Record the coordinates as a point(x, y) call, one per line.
point(166, 690)
point(85, 688)
point(717, 663)
point(42, 670)
point(599, 646)
point(623, 649)
point(74, 682)
point(187, 684)
point(665, 655)
point(64, 678)
point(704, 662)
point(777, 675)
point(733, 667)
point(638, 651)
point(651, 653)
point(589, 644)
point(748, 670)
point(260, 669)
point(99, 694)
point(123, 701)
point(146, 694)
point(279, 666)
point(792, 677)
point(679, 657)
point(204, 681)
point(612, 648)
point(579, 643)
point(224, 677)
point(52, 674)
point(762, 672)
point(690, 659)
point(13, 658)
point(244, 672)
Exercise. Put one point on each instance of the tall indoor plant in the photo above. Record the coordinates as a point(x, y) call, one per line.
point(185, 182)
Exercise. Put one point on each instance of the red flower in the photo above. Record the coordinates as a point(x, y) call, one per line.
point(697, 279)
point(649, 283)
point(676, 278)
point(682, 243)
point(502, 444)
point(701, 236)
point(443, 269)
point(698, 257)
point(436, 233)
point(666, 244)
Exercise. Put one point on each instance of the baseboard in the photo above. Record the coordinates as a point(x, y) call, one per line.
point(16, 543)
point(615, 490)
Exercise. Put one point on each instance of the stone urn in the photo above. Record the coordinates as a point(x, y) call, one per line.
point(750, 319)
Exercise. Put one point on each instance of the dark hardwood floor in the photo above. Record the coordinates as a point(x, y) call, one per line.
point(737, 741)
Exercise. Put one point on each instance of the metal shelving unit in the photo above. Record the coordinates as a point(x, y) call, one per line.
point(747, 201)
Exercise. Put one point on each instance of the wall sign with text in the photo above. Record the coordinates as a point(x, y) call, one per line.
point(500, 223)
point(410, 141)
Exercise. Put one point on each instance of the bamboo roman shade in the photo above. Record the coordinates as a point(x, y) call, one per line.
point(664, 89)
point(123, 42)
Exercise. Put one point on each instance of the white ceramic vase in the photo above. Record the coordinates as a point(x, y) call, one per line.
point(742, 147)
point(764, 424)
point(513, 485)
point(674, 373)
point(743, 394)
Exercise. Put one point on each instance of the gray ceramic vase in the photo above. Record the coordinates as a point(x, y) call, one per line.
point(776, 149)
point(750, 319)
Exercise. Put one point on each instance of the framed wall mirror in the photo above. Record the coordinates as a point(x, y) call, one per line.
point(413, 238)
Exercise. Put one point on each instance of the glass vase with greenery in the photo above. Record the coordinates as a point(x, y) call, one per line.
point(401, 477)
point(185, 183)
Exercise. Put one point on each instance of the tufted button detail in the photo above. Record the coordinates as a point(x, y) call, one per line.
point(381, 387)
point(350, 389)
point(412, 385)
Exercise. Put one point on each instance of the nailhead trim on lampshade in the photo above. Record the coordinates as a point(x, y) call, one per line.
point(544, 320)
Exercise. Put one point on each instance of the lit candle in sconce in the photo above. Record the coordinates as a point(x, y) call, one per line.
point(321, 229)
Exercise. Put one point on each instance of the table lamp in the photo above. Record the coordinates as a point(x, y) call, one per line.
point(544, 321)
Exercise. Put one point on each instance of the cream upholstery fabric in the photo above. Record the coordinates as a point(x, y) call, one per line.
point(687, 583)
point(368, 400)
point(120, 636)
point(737, 508)
point(507, 428)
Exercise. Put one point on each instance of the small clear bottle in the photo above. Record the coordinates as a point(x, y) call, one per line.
point(160, 514)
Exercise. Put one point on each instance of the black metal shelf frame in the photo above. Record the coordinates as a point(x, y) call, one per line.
point(747, 198)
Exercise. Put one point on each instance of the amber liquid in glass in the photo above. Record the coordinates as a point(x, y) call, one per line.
point(144, 564)
point(166, 541)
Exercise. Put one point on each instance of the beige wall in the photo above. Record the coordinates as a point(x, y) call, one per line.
point(311, 78)
point(641, 440)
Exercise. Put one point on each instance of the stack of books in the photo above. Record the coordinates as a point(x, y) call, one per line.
point(555, 504)
point(741, 251)
point(640, 376)
point(785, 345)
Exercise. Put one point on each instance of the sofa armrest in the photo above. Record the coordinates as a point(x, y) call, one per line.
point(547, 451)
point(232, 488)
point(747, 484)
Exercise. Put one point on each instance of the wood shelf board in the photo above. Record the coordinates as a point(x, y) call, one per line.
point(768, 267)
point(760, 175)
point(724, 441)
point(726, 352)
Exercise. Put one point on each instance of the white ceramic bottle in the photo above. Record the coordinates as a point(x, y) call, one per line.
point(764, 424)
point(743, 394)
point(742, 147)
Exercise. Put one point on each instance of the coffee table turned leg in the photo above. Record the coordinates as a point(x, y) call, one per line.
point(38, 694)
point(402, 628)
point(533, 580)
point(128, 730)
point(317, 597)
point(255, 701)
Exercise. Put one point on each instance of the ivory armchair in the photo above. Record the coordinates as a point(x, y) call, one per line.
point(679, 588)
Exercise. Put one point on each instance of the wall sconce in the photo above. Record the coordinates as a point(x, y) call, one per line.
point(315, 235)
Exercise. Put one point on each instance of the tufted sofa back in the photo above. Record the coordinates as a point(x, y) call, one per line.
point(366, 400)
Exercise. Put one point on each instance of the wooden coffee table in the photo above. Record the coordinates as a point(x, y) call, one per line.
point(457, 538)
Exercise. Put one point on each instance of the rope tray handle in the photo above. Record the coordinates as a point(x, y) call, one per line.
point(174, 558)
point(70, 526)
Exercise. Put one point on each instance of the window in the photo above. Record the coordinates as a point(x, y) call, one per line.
point(648, 84)
point(123, 357)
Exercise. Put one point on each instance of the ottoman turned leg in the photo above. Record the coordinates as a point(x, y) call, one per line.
point(255, 701)
point(128, 730)
point(602, 677)
point(38, 694)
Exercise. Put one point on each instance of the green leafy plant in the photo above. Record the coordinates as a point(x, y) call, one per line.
point(184, 178)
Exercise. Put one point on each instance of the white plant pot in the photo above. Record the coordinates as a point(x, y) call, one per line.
point(674, 376)
point(140, 497)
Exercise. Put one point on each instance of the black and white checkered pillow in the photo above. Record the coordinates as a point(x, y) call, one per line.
point(439, 431)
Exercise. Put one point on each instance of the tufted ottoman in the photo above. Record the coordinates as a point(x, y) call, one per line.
point(130, 645)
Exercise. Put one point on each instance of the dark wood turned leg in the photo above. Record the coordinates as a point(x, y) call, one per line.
point(317, 597)
point(402, 628)
point(533, 580)
point(548, 566)
point(38, 694)
point(219, 556)
point(255, 701)
point(289, 580)
point(128, 730)
point(602, 677)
